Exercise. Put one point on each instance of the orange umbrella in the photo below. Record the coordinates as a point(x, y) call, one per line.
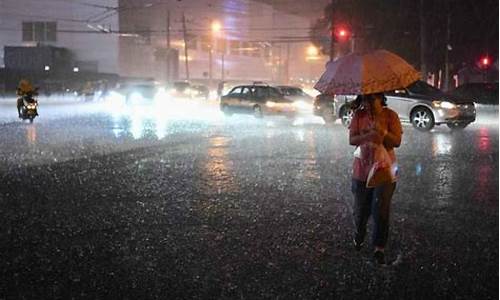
point(375, 72)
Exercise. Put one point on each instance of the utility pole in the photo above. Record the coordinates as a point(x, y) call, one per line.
point(210, 65)
point(185, 45)
point(332, 34)
point(446, 56)
point(168, 48)
point(423, 66)
point(222, 66)
point(287, 66)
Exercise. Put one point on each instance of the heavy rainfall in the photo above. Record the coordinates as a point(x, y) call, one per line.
point(206, 149)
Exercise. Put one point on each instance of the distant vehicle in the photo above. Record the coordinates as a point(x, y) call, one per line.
point(325, 106)
point(200, 91)
point(183, 89)
point(138, 93)
point(302, 101)
point(259, 100)
point(180, 89)
point(479, 92)
point(421, 104)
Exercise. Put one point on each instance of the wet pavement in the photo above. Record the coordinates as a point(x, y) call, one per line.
point(150, 203)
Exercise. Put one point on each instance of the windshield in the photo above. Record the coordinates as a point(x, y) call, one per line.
point(423, 88)
point(293, 92)
point(181, 86)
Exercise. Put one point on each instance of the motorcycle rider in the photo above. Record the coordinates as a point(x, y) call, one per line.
point(23, 89)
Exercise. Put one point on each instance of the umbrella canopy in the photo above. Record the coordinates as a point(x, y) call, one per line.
point(375, 72)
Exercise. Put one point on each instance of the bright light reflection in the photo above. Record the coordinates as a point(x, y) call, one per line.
point(161, 123)
point(31, 134)
point(418, 169)
point(441, 144)
point(136, 126)
point(484, 141)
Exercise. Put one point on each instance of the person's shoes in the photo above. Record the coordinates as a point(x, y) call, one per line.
point(379, 257)
point(357, 244)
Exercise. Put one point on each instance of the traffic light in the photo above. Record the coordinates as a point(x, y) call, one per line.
point(485, 62)
point(342, 34)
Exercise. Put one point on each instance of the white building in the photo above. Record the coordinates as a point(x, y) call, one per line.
point(76, 25)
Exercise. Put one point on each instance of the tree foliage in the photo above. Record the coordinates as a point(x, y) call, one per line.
point(395, 25)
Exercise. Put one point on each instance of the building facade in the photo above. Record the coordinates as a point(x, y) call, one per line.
point(225, 40)
point(87, 29)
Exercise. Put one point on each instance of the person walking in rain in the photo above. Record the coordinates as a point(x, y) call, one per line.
point(373, 125)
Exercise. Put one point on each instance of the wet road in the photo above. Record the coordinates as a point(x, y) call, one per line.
point(148, 204)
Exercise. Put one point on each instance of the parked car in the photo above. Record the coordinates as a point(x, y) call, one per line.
point(259, 100)
point(479, 92)
point(421, 104)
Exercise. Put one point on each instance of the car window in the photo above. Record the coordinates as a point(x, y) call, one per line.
point(293, 92)
point(423, 88)
point(260, 92)
point(246, 92)
point(236, 91)
point(274, 93)
point(181, 85)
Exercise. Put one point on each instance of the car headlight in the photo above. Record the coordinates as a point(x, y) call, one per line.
point(271, 104)
point(447, 105)
point(443, 104)
point(115, 98)
point(161, 94)
point(302, 105)
point(135, 96)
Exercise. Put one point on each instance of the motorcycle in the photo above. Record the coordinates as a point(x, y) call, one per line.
point(29, 110)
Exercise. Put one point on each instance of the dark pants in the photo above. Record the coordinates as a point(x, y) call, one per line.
point(377, 203)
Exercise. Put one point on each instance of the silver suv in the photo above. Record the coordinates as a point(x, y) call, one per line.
point(421, 104)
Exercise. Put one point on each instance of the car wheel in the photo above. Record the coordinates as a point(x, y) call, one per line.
point(257, 112)
point(457, 125)
point(422, 119)
point(346, 114)
point(328, 115)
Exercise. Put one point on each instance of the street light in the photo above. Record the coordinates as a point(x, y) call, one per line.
point(216, 28)
point(312, 55)
point(312, 51)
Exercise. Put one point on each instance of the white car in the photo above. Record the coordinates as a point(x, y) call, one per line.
point(421, 104)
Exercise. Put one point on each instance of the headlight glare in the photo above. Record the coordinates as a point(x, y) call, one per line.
point(302, 104)
point(447, 105)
